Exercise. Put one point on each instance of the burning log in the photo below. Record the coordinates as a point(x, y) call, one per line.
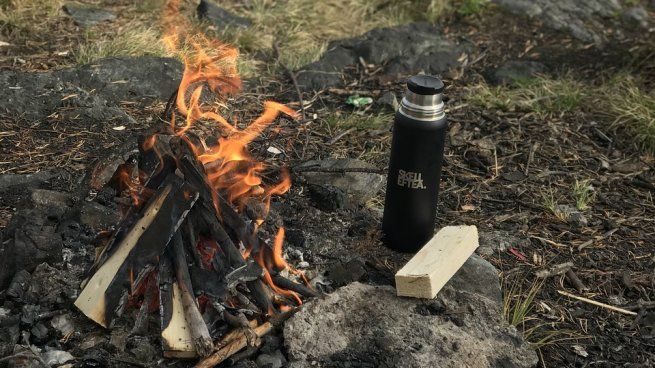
point(180, 224)
point(103, 296)
point(301, 289)
point(199, 332)
point(177, 341)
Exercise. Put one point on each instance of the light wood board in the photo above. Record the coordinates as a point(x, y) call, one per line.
point(437, 262)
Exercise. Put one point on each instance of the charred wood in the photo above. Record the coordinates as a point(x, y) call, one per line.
point(235, 320)
point(165, 169)
point(299, 288)
point(199, 332)
point(175, 333)
point(209, 283)
point(234, 341)
point(141, 321)
point(240, 341)
point(137, 248)
point(250, 271)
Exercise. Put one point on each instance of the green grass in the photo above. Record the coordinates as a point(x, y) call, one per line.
point(622, 101)
point(24, 17)
point(472, 7)
point(583, 194)
point(549, 202)
point(132, 41)
point(632, 109)
point(540, 95)
point(518, 306)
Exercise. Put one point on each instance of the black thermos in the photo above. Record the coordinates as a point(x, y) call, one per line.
point(419, 129)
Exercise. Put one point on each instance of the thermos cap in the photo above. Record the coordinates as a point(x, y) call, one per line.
point(425, 85)
point(423, 100)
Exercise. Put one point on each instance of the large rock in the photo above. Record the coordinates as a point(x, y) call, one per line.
point(362, 325)
point(334, 173)
point(515, 71)
point(584, 20)
point(92, 91)
point(34, 240)
point(87, 16)
point(220, 17)
point(404, 49)
point(9, 181)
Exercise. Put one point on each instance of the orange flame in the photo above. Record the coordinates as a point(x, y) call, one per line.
point(210, 65)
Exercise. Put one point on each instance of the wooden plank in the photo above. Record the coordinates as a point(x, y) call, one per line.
point(429, 270)
point(196, 325)
point(176, 338)
point(100, 299)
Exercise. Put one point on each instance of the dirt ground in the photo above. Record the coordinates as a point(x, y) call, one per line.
point(505, 171)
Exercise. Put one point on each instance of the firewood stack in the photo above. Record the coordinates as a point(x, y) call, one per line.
point(183, 243)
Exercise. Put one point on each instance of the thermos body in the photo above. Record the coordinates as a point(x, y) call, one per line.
point(414, 175)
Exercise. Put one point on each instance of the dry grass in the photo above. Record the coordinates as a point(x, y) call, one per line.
point(633, 110)
point(28, 16)
point(358, 121)
point(131, 41)
point(540, 95)
point(518, 311)
point(622, 101)
point(303, 28)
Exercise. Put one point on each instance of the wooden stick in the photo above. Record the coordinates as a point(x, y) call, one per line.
point(575, 280)
point(239, 342)
point(141, 320)
point(598, 304)
point(202, 340)
point(176, 338)
point(301, 289)
point(235, 259)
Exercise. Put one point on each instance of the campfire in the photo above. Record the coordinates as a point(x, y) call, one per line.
point(188, 245)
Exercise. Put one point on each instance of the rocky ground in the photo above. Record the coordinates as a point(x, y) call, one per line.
point(550, 182)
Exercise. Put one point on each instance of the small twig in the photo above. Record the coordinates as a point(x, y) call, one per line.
point(575, 280)
point(554, 270)
point(170, 105)
point(591, 241)
point(239, 342)
point(598, 304)
point(22, 354)
point(533, 148)
point(292, 76)
point(548, 241)
point(339, 136)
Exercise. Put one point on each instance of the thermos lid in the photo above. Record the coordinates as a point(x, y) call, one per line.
point(425, 85)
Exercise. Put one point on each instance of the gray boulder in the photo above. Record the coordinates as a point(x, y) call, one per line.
point(637, 17)
point(92, 91)
point(34, 241)
point(411, 48)
point(333, 173)
point(87, 16)
point(584, 20)
point(220, 17)
point(369, 326)
point(8, 181)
